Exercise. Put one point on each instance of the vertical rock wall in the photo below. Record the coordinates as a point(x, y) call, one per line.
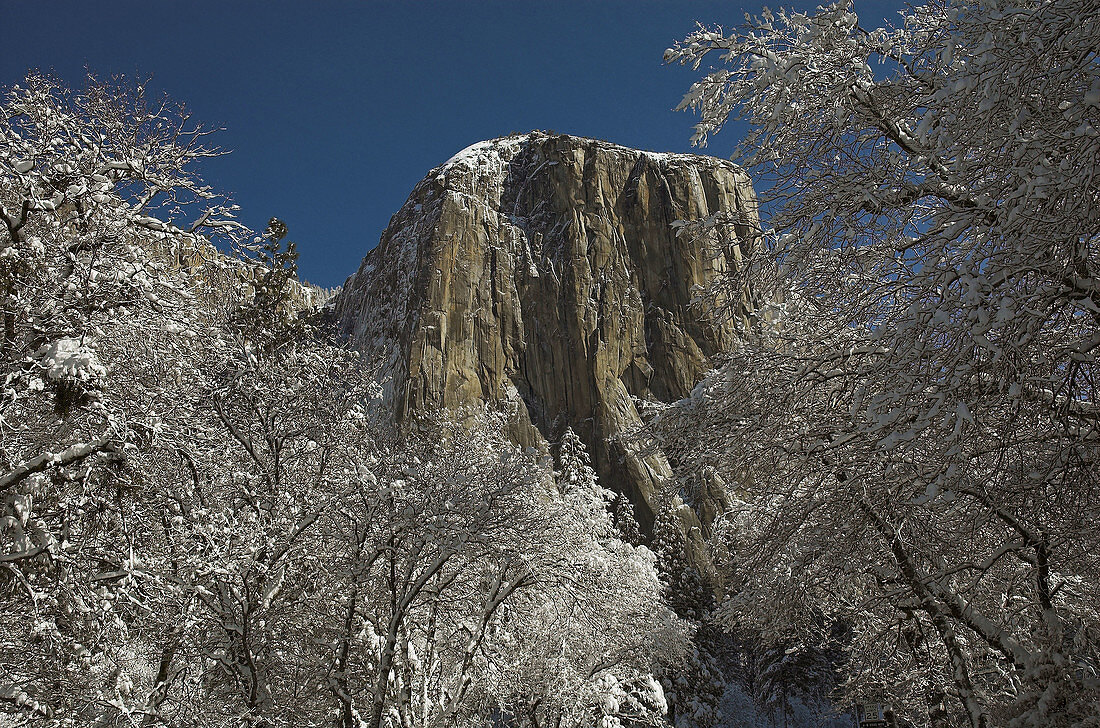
point(546, 270)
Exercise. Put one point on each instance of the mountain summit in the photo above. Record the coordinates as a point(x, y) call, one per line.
point(545, 270)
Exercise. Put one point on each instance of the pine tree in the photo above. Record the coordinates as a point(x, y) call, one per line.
point(270, 319)
point(579, 483)
point(625, 522)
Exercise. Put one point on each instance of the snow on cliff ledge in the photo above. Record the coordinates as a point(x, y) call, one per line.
point(504, 149)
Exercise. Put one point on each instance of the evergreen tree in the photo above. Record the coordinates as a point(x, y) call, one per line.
point(578, 483)
point(271, 317)
point(627, 525)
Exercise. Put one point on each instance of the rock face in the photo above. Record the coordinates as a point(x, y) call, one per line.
point(546, 270)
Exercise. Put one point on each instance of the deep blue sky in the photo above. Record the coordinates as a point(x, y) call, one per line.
point(334, 110)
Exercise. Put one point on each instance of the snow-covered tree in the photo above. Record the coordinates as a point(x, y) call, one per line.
point(909, 428)
point(622, 511)
point(101, 271)
point(159, 468)
point(443, 528)
point(579, 484)
point(591, 644)
point(477, 589)
point(270, 316)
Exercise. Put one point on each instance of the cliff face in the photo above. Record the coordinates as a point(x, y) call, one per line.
point(546, 270)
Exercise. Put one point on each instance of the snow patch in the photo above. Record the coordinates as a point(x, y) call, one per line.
point(69, 359)
point(504, 148)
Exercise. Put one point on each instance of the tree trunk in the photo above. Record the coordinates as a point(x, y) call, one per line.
point(975, 711)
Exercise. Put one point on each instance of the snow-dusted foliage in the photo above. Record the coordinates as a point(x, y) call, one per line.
point(910, 428)
point(100, 275)
point(480, 591)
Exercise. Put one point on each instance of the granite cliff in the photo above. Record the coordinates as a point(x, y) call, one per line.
point(545, 270)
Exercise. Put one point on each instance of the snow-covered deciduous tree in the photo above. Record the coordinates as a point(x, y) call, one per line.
point(475, 589)
point(160, 468)
point(284, 430)
point(567, 657)
point(101, 269)
point(444, 529)
point(909, 430)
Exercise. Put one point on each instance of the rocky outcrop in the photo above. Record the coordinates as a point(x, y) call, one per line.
point(546, 270)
